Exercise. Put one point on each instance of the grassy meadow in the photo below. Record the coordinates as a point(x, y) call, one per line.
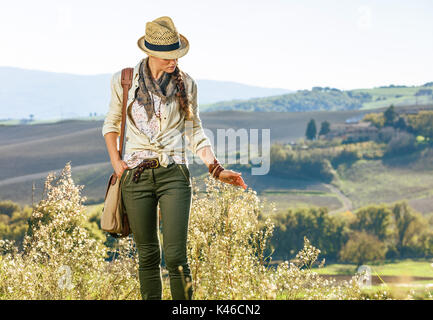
point(403, 177)
point(402, 268)
point(401, 279)
point(398, 96)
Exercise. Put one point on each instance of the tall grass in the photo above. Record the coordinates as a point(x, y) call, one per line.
point(226, 248)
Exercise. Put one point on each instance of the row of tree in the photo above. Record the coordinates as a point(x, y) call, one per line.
point(369, 234)
point(320, 163)
point(317, 99)
point(311, 132)
point(420, 123)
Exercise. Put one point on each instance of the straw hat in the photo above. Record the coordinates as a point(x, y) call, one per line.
point(162, 40)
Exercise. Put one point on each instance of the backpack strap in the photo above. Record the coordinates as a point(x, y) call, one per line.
point(126, 85)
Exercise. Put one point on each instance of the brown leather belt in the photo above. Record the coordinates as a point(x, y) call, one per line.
point(145, 164)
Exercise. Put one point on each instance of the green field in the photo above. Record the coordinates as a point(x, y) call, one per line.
point(374, 181)
point(332, 99)
point(399, 279)
point(408, 268)
point(383, 97)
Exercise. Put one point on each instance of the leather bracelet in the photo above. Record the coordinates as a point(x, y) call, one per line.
point(215, 168)
point(218, 171)
point(213, 165)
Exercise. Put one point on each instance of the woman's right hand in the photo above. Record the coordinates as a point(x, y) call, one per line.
point(119, 166)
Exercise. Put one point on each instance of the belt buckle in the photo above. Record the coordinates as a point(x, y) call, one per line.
point(157, 163)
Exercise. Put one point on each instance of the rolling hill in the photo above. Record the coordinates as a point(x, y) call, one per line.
point(332, 99)
point(51, 95)
point(30, 152)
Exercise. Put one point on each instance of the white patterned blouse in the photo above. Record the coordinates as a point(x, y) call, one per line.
point(139, 116)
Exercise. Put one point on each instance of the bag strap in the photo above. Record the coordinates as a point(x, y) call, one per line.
point(126, 85)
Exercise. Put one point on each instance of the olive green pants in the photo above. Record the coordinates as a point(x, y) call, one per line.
point(171, 187)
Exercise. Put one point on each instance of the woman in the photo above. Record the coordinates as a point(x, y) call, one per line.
point(161, 111)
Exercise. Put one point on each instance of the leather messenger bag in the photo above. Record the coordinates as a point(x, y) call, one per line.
point(114, 219)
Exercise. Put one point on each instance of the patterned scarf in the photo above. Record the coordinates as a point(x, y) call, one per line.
point(165, 88)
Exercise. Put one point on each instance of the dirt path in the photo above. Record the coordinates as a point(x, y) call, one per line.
point(347, 203)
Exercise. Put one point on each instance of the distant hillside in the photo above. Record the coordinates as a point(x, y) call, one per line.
point(211, 91)
point(49, 95)
point(332, 99)
point(30, 151)
point(397, 95)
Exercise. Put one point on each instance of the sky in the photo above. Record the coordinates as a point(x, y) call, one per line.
point(274, 43)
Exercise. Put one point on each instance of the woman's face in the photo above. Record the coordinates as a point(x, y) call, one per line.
point(167, 65)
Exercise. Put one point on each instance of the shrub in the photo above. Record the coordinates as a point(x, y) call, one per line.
point(8, 207)
point(401, 143)
point(227, 243)
point(385, 134)
point(373, 219)
point(376, 119)
point(316, 224)
point(229, 232)
point(361, 248)
point(412, 235)
point(346, 156)
point(13, 221)
point(60, 260)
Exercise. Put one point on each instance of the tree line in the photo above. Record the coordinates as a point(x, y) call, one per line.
point(370, 234)
point(418, 124)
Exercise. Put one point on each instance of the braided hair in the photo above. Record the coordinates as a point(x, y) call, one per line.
point(181, 94)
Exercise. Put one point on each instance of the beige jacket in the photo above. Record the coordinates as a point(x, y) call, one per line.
point(174, 128)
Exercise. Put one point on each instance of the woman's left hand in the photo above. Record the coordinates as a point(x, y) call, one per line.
point(232, 177)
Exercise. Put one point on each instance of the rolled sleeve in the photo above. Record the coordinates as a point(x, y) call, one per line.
point(113, 117)
point(198, 138)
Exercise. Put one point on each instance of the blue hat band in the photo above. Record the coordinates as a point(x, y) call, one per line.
point(162, 47)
